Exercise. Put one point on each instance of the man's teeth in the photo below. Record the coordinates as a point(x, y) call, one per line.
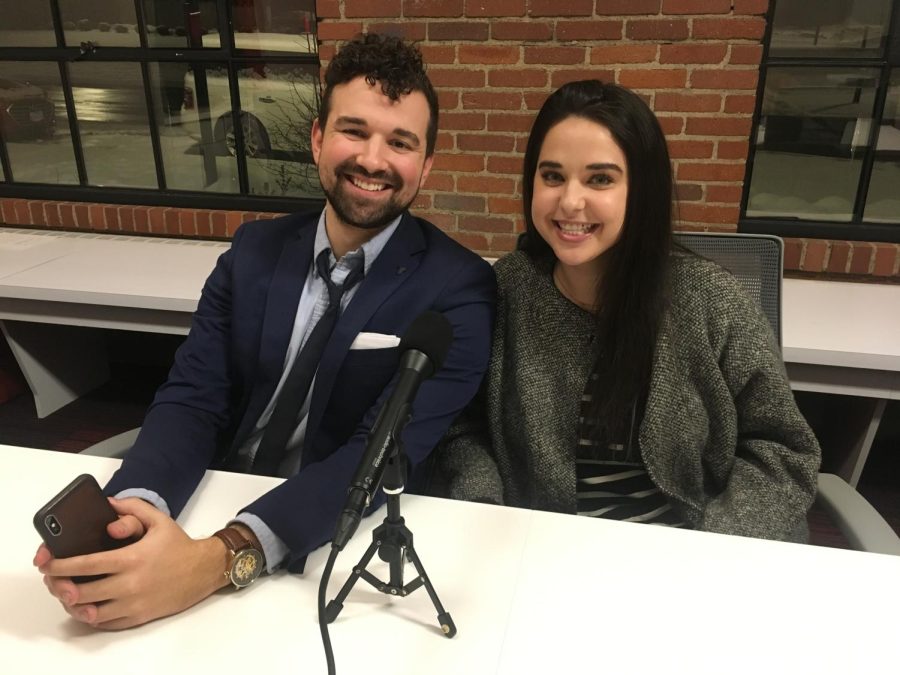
point(575, 228)
point(365, 185)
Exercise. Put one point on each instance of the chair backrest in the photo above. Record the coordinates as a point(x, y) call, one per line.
point(754, 259)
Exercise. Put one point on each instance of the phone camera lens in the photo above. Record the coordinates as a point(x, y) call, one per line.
point(53, 525)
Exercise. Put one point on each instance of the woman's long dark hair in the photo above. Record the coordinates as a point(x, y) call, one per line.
point(632, 294)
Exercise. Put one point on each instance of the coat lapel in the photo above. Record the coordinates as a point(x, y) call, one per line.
point(397, 261)
point(278, 321)
point(663, 458)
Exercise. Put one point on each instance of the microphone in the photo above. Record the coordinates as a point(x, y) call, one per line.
point(423, 349)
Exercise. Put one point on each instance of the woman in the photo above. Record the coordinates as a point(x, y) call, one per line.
point(628, 380)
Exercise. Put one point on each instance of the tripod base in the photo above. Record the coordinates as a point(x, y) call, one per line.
point(393, 542)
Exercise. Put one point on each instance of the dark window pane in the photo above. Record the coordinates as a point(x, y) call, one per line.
point(275, 25)
point(34, 125)
point(189, 103)
point(193, 157)
point(830, 28)
point(279, 103)
point(883, 201)
point(26, 24)
point(112, 117)
point(181, 24)
point(812, 136)
point(105, 23)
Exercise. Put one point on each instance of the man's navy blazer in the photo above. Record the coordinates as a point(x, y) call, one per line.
point(227, 369)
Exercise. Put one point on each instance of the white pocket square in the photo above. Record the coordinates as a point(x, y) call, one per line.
point(375, 341)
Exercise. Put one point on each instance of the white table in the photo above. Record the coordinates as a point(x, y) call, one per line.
point(59, 290)
point(844, 338)
point(54, 285)
point(530, 592)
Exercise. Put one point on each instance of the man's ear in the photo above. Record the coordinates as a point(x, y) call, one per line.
point(316, 140)
point(426, 169)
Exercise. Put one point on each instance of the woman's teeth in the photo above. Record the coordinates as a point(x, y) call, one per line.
point(575, 228)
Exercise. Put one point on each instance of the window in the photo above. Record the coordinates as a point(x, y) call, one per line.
point(159, 102)
point(825, 154)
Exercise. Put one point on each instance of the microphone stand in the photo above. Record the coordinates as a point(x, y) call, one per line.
point(394, 543)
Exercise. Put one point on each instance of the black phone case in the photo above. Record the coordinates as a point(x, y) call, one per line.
point(82, 513)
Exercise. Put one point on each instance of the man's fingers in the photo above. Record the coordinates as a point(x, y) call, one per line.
point(118, 624)
point(102, 590)
point(126, 527)
point(112, 615)
point(42, 556)
point(63, 589)
point(116, 614)
point(137, 584)
point(107, 562)
point(83, 613)
point(143, 511)
point(91, 602)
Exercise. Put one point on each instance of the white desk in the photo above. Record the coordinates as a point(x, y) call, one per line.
point(530, 593)
point(107, 281)
point(839, 338)
point(844, 338)
point(53, 285)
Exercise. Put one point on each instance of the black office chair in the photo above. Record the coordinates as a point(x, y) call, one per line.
point(757, 262)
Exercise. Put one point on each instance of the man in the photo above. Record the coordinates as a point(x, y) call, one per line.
point(260, 311)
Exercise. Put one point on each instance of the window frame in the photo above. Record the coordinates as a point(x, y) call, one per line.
point(856, 229)
point(144, 55)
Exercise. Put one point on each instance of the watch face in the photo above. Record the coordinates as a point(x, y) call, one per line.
point(247, 565)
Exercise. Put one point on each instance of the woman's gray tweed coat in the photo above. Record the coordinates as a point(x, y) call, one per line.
point(721, 435)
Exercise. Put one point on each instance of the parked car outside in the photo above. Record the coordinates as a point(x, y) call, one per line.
point(278, 100)
point(277, 109)
point(25, 111)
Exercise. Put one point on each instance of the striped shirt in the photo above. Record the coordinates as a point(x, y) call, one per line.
point(611, 479)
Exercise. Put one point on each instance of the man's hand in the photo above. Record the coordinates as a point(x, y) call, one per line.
point(163, 573)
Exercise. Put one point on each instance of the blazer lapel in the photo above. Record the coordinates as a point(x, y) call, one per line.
point(397, 261)
point(278, 322)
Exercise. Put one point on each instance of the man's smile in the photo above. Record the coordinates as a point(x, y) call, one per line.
point(368, 185)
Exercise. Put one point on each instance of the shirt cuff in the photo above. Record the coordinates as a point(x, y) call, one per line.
point(273, 548)
point(148, 496)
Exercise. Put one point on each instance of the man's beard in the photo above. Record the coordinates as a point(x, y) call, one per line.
point(357, 213)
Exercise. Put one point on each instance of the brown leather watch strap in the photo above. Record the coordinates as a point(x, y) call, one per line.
point(233, 539)
point(243, 562)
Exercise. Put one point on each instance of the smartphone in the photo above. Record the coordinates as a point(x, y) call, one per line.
point(74, 521)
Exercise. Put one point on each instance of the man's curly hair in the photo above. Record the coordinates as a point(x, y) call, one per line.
point(387, 60)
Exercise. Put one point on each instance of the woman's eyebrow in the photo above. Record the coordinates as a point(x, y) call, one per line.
point(597, 166)
point(604, 166)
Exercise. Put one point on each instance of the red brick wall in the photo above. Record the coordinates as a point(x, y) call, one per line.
point(495, 61)
point(861, 261)
point(125, 219)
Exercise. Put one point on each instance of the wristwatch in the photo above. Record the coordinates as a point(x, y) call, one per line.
point(245, 562)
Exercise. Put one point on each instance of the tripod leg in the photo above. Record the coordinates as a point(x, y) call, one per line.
point(335, 606)
point(444, 619)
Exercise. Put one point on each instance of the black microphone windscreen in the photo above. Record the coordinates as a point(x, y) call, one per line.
point(431, 334)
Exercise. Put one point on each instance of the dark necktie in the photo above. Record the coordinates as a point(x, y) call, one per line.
point(283, 421)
